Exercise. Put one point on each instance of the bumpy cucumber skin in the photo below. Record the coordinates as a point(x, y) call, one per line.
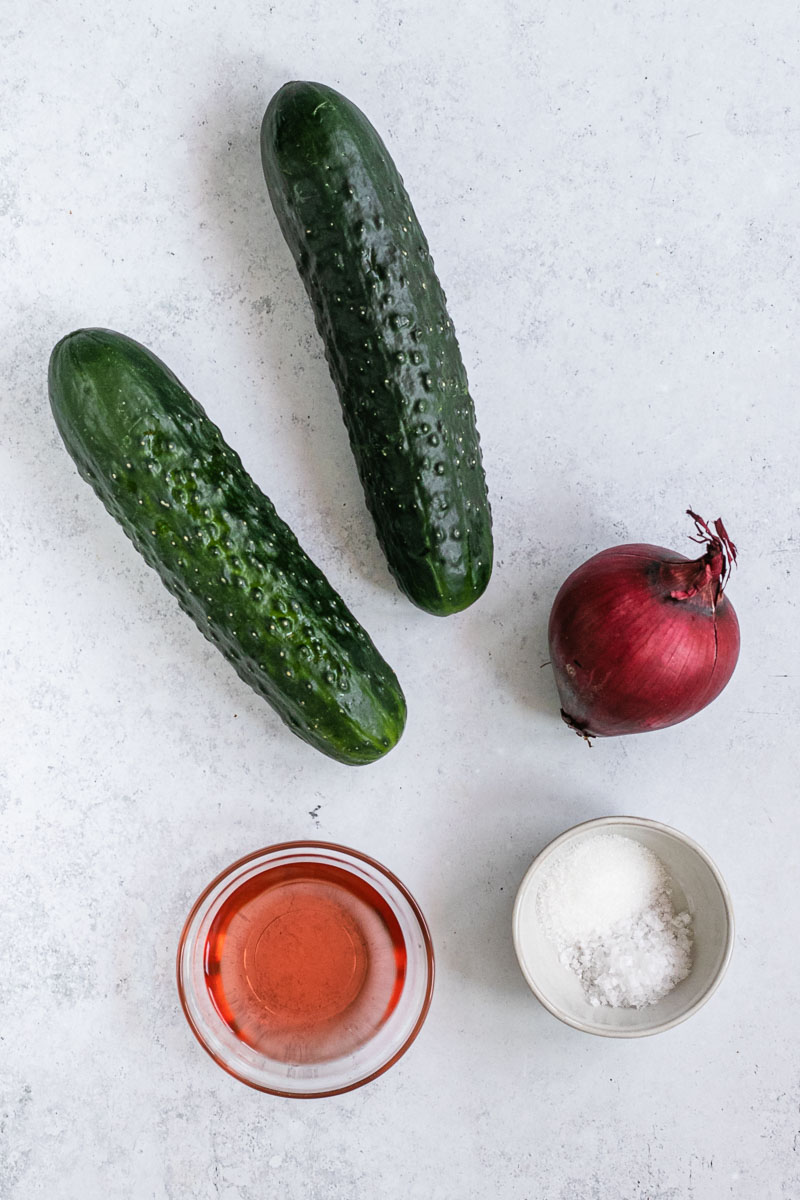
point(389, 341)
point(163, 469)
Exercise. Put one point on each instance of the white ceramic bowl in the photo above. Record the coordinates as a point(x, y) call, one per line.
point(698, 888)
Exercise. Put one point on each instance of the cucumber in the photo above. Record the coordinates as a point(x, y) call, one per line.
point(389, 341)
point(163, 469)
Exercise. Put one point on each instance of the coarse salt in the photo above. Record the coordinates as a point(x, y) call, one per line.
point(605, 902)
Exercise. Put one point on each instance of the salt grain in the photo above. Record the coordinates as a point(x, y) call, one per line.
point(605, 902)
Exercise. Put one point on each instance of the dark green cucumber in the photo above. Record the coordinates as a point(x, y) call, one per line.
point(389, 341)
point(163, 469)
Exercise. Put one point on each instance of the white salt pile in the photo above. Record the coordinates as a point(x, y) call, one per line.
point(606, 904)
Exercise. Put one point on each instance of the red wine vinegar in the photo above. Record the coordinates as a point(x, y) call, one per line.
point(304, 962)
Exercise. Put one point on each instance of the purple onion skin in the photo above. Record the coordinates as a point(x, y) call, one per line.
point(642, 638)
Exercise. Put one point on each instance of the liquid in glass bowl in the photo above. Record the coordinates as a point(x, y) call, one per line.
point(305, 969)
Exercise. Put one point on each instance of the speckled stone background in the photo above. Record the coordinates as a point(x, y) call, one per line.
point(611, 197)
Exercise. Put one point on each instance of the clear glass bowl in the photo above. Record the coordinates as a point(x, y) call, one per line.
point(294, 1074)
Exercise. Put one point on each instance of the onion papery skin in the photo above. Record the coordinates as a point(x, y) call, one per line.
point(630, 657)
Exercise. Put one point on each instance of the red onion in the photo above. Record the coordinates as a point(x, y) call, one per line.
point(642, 637)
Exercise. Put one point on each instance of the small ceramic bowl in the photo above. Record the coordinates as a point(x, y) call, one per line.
point(697, 887)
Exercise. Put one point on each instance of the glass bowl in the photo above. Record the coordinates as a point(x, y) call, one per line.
point(697, 887)
point(305, 969)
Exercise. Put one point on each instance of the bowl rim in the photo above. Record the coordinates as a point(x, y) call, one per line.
point(427, 941)
point(606, 822)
